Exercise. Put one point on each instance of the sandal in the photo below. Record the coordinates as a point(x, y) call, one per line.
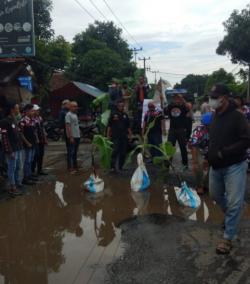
point(224, 247)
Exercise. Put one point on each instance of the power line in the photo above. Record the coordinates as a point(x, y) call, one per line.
point(100, 12)
point(175, 74)
point(121, 24)
point(86, 11)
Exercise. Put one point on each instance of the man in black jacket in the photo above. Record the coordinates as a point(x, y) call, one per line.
point(229, 140)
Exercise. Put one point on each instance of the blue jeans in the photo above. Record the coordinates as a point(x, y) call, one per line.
point(29, 156)
point(14, 165)
point(227, 188)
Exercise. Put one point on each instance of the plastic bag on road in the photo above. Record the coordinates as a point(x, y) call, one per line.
point(187, 196)
point(140, 180)
point(94, 184)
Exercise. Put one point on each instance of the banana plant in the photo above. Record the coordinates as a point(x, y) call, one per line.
point(102, 145)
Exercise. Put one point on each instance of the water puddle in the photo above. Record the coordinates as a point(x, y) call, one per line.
point(62, 234)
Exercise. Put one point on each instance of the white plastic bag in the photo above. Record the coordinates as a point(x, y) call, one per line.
point(186, 196)
point(140, 180)
point(94, 184)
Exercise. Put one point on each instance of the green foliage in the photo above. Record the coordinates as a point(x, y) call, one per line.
point(108, 33)
point(42, 19)
point(193, 83)
point(100, 54)
point(104, 146)
point(236, 42)
point(219, 76)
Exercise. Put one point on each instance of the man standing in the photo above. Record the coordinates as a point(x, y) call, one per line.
point(12, 146)
point(177, 112)
point(141, 93)
point(42, 139)
point(229, 140)
point(199, 148)
point(119, 131)
point(73, 135)
point(158, 129)
point(115, 94)
point(63, 112)
point(30, 139)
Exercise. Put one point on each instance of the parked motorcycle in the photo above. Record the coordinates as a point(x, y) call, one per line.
point(53, 129)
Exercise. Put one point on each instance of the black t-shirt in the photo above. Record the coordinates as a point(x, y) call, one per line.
point(12, 132)
point(154, 116)
point(27, 126)
point(177, 115)
point(119, 124)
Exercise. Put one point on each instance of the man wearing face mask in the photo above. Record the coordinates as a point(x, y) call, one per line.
point(229, 140)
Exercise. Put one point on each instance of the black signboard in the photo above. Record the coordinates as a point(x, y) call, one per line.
point(16, 28)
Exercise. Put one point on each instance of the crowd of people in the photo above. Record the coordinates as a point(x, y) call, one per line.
point(23, 140)
point(218, 145)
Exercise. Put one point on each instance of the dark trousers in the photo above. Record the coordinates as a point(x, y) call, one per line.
point(155, 139)
point(67, 144)
point(180, 136)
point(37, 163)
point(73, 149)
point(120, 145)
point(189, 126)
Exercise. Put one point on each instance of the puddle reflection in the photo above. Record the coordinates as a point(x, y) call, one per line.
point(59, 230)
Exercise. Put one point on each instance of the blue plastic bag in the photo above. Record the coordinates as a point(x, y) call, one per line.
point(140, 180)
point(94, 184)
point(186, 196)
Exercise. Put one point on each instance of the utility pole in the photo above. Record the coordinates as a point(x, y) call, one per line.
point(155, 72)
point(144, 59)
point(135, 51)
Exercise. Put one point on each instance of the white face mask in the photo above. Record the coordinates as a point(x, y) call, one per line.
point(215, 103)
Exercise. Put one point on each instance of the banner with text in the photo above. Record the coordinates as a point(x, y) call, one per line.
point(16, 28)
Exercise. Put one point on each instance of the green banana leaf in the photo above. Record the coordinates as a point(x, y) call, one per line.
point(104, 146)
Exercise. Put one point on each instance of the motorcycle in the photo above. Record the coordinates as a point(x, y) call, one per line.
point(53, 130)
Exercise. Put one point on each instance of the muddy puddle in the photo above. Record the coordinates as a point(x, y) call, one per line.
point(58, 233)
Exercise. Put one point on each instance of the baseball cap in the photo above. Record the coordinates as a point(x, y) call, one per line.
point(219, 89)
point(36, 107)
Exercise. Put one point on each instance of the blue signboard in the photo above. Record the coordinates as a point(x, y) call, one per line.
point(26, 82)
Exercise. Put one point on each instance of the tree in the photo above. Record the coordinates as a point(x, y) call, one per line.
point(219, 76)
point(108, 33)
point(236, 42)
point(193, 84)
point(100, 54)
point(98, 67)
point(42, 19)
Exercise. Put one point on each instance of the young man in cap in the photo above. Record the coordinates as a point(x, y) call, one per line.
point(229, 140)
point(177, 112)
point(37, 164)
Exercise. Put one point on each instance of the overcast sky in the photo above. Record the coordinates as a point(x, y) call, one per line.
point(180, 36)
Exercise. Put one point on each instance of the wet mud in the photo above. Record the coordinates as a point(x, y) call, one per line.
point(58, 233)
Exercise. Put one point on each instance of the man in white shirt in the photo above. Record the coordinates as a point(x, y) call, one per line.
point(73, 135)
